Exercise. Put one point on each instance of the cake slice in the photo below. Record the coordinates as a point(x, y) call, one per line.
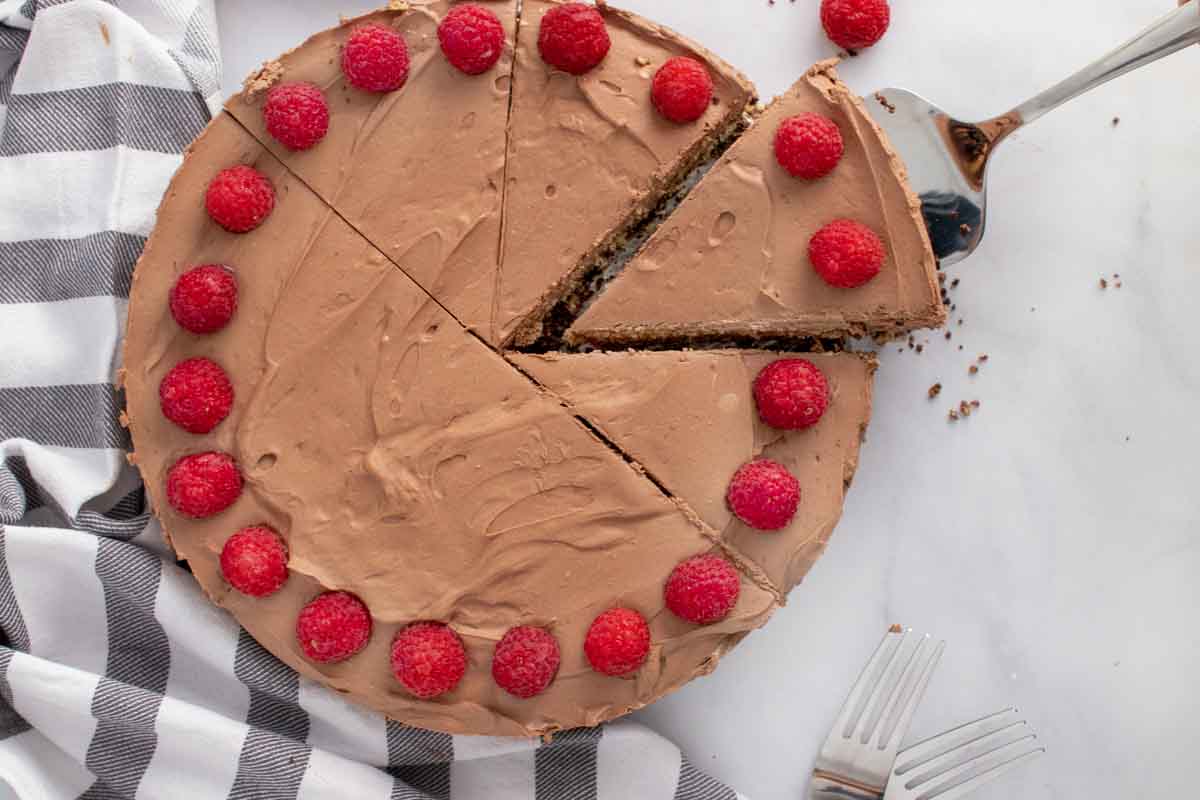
point(589, 158)
point(418, 171)
point(404, 462)
point(690, 419)
point(732, 260)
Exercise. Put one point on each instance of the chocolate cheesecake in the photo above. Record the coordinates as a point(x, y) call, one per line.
point(341, 435)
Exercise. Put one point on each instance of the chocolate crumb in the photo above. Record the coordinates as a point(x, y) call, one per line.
point(1116, 274)
point(964, 229)
point(1118, 284)
point(983, 357)
point(964, 408)
point(896, 628)
point(953, 415)
point(953, 306)
point(960, 347)
point(883, 101)
point(947, 334)
point(935, 390)
point(1116, 121)
point(973, 370)
point(974, 404)
point(941, 277)
point(960, 321)
point(920, 348)
point(1103, 283)
point(954, 283)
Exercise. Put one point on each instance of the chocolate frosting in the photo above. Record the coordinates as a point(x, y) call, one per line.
point(733, 258)
point(404, 461)
point(690, 420)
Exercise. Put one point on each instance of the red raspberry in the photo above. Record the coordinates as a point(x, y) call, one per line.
point(196, 395)
point(375, 59)
point(333, 627)
point(254, 561)
point(808, 145)
point(525, 661)
point(791, 394)
point(846, 253)
point(204, 298)
point(573, 38)
point(764, 495)
point(855, 24)
point(203, 484)
point(428, 658)
point(296, 114)
point(618, 642)
point(239, 198)
point(472, 38)
point(682, 89)
point(703, 589)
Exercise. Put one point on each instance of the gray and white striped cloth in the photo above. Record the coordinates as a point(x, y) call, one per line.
point(117, 678)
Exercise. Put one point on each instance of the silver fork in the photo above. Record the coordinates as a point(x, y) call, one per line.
point(957, 762)
point(857, 757)
point(947, 158)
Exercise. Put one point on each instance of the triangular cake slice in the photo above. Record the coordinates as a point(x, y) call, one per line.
point(405, 462)
point(418, 171)
point(732, 260)
point(590, 158)
point(689, 418)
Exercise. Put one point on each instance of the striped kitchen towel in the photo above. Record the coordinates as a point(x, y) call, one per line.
point(117, 678)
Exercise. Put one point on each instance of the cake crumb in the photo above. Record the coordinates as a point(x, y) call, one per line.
point(935, 390)
point(1116, 121)
point(895, 628)
point(953, 415)
point(104, 33)
point(883, 101)
point(264, 78)
point(964, 408)
point(1103, 283)
point(948, 334)
point(920, 348)
point(960, 347)
point(973, 369)
point(983, 357)
point(642, 61)
point(964, 229)
point(974, 404)
point(954, 283)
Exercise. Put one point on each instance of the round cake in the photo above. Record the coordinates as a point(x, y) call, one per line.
point(451, 364)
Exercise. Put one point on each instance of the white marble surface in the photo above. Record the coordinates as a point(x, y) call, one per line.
point(1054, 537)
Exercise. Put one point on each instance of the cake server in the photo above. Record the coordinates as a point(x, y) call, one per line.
point(857, 757)
point(947, 158)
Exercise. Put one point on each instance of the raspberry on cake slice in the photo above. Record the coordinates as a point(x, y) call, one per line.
point(525, 661)
point(764, 495)
point(703, 589)
point(254, 561)
point(472, 38)
point(204, 298)
point(203, 484)
point(239, 198)
point(296, 114)
point(809, 145)
point(196, 395)
point(375, 59)
point(333, 627)
point(573, 38)
point(617, 642)
point(791, 394)
point(682, 89)
point(428, 658)
point(846, 254)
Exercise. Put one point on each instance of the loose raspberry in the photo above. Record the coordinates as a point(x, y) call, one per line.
point(682, 89)
point(375, 59)
point(791, 394)
point(573, 38)
point(196, 395)
point(254, 561)
point(203, 484)
point(808, 145)
point(526, 661)
point(239, 198)
point(618, 642)
point(296, 114)
point(703, 589)
point(846, 253)
point(428, 658)
point(333, 627)
point(855, 24)
point(204, 298)
point(764, 495)
point(472, 38)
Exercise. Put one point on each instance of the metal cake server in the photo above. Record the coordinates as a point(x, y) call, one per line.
point(947, 158)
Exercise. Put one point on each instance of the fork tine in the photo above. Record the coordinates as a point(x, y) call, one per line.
point(925, 751)
point(856, 701)
point(970, 776)
point(901, 714)
point(889, 679)
point(954, 761)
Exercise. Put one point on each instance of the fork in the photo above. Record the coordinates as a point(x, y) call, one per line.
point(957, 762)
point(947, 158)
point(857, 757)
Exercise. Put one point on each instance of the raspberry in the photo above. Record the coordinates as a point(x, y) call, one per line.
point(703, 589)
point(428, 658)
point(808, 145)
point(618, 642)
point(573, 38)
point(855, 24)
point(296, 114)
point(239, 198)
point(682, 89)
point(472, 38)
point(846, 253)
point(333, 627)
point(203, 484)
point(525, 661)
point(196, 395)
point(204, 298)
point(764, 495)
point(254, 561)
point(375, 59)
point(791, 394)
